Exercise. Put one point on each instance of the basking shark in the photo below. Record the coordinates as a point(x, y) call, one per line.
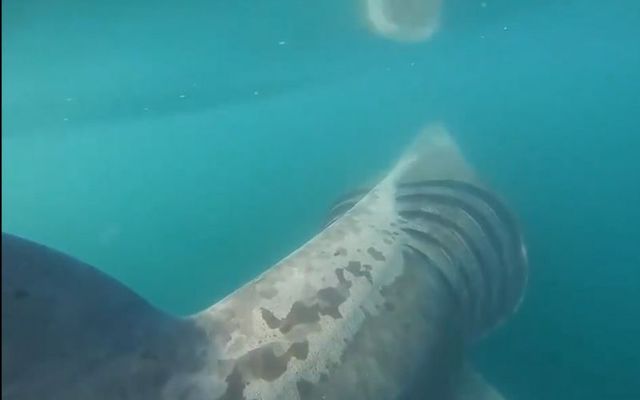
point(382, 303)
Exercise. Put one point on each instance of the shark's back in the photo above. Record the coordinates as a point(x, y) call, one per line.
point(380, 305)
point(389, 295)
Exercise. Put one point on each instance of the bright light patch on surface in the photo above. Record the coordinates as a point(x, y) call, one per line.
point(404, 20)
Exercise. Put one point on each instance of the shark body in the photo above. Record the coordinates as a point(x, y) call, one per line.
point(381, 304)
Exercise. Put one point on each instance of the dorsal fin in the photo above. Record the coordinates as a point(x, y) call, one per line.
point(434, 155)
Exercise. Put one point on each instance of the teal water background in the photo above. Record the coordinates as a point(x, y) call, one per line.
point(183, 147)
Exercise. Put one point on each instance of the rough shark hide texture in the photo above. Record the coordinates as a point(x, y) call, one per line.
point(381, 304)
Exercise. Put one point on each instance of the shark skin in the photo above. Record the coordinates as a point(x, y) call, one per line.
point(382, 303)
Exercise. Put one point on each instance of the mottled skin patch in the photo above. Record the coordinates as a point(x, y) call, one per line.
point(262, 363)
point(300, 350)
point(300, 314)
point(235, 386)
point(304, 388)
point(377, 353)
point(376, 254)
point(357, 270)
point(328, 301)
point(268, 293)
point(270, 319)
point(331, 298)
point(341, 251)
point(266, 365)
point(341, 279)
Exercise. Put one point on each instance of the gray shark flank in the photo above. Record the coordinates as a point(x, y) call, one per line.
point(381, 304)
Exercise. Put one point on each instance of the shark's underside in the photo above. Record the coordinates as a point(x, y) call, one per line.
point(381, 304)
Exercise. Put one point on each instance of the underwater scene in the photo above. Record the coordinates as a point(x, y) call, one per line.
point(332, 199)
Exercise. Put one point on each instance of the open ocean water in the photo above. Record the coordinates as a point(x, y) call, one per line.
point(184, 147)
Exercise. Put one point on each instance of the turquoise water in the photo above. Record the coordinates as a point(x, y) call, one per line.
point(185, 147)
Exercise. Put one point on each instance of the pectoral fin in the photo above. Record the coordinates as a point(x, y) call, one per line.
point(470, 385)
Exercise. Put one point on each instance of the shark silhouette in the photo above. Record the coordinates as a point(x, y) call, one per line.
point(381, 304)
